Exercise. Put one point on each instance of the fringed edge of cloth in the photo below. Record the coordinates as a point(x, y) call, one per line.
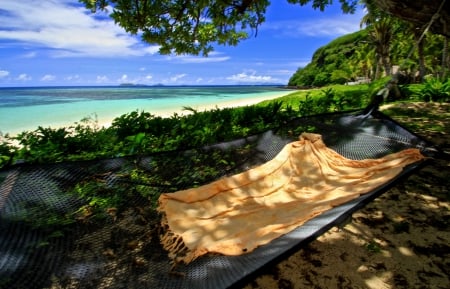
point(174, 244)
point(334, 170)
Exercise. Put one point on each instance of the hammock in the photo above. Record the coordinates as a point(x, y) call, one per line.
point(234, 215)
point(85, 254)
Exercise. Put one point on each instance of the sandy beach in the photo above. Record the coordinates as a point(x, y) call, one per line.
point(104, 112)
point(107, 120)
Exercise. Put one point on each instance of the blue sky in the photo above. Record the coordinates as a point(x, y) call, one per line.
point(58, 42)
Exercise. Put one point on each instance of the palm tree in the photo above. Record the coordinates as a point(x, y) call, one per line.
point(362, 61)
point(381, 31)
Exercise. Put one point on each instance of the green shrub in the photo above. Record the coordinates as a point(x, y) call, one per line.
point(435, 90)
point(139, 133)
point(6, 152)
point(321, 79)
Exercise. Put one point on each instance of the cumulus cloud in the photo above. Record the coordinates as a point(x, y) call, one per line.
point(177, 77)
point(124, 78)
point(72, 77)
point(23, 77)
point(48, 77)
point(102, 79)
point(251, 77)
point(67, 29)
point(4, 73)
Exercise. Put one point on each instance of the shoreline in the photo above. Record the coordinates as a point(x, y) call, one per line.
point(165, 113)
point(105, 118)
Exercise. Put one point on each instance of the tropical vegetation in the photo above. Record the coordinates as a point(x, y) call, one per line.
point(386, 46)
point(365, 55)
point(193, 27)
point(140, 133)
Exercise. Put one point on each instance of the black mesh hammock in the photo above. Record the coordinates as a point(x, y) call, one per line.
point(49, 238)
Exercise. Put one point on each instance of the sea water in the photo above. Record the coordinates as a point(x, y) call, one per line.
point(23, 109)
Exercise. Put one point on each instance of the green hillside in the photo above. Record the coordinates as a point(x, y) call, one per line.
point(354, 57)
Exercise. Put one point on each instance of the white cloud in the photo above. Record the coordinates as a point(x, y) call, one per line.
point(48, 77)
point(251, 77)
point(67, 29)
point(102, 79)
point(23, 77)
point(317, 27)
point(177, 77)
point(124, 78)
point(72, 77)
point(146, 79)
point(4, 73)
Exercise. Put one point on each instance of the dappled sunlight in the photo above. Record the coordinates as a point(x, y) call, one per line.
point(235, 215)
point(395, 242)
point(405, 251)
point(399, 240)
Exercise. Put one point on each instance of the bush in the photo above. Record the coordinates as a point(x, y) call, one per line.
point(435, 90)
point(340, 76)
point(321, 79)
point(139, 133)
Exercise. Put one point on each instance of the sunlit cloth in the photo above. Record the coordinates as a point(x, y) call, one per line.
point(236, 214)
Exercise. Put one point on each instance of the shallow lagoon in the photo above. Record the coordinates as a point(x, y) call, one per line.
point(27, 108)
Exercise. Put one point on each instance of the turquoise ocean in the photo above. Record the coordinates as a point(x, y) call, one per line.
point(27, 108)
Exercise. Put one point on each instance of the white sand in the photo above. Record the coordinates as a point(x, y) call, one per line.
point(107, 120)
point(29, 118)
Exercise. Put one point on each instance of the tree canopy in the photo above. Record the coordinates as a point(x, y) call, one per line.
point(192, 27)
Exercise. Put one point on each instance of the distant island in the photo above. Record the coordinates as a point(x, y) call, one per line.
point(131, 84)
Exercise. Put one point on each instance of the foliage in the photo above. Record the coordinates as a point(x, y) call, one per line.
point(193, 27)
point(365, 54)
point(103, 196)
point(7, 151)
point(140, 133)
point(435, 90)
point(334, 62)
point(80, 141)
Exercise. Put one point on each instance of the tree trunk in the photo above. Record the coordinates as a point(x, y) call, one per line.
point(378, 67)
point(445, 57)
point(421, 56)
point(386, 61)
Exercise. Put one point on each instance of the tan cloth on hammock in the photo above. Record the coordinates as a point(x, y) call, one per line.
point(236, 214)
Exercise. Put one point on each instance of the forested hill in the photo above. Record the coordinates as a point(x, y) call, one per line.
point(359, 56)
point(334, 62)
